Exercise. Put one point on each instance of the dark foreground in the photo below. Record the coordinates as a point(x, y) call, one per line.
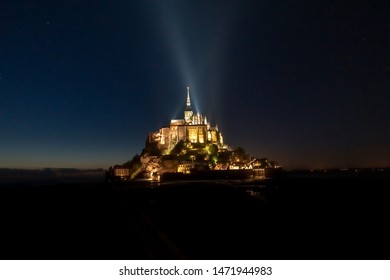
point(294, 218)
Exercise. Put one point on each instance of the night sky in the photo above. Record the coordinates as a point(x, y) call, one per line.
point(82, 83)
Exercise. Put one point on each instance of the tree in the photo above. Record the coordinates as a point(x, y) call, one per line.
point(151, 149)
point(224, 157)
point(177, 150)
point(239, 154)
point(212, 149)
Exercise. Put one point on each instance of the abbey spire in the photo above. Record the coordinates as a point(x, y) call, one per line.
point(188, 97)
point(188, 111)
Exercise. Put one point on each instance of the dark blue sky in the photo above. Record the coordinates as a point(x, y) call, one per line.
point(304, 83)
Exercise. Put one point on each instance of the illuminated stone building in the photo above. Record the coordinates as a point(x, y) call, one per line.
point(121, 171)
point(194, 128)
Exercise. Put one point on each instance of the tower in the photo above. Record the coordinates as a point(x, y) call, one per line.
point(188, 111)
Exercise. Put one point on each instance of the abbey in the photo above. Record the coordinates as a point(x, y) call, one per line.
point(191, 149)
point(194, 128)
